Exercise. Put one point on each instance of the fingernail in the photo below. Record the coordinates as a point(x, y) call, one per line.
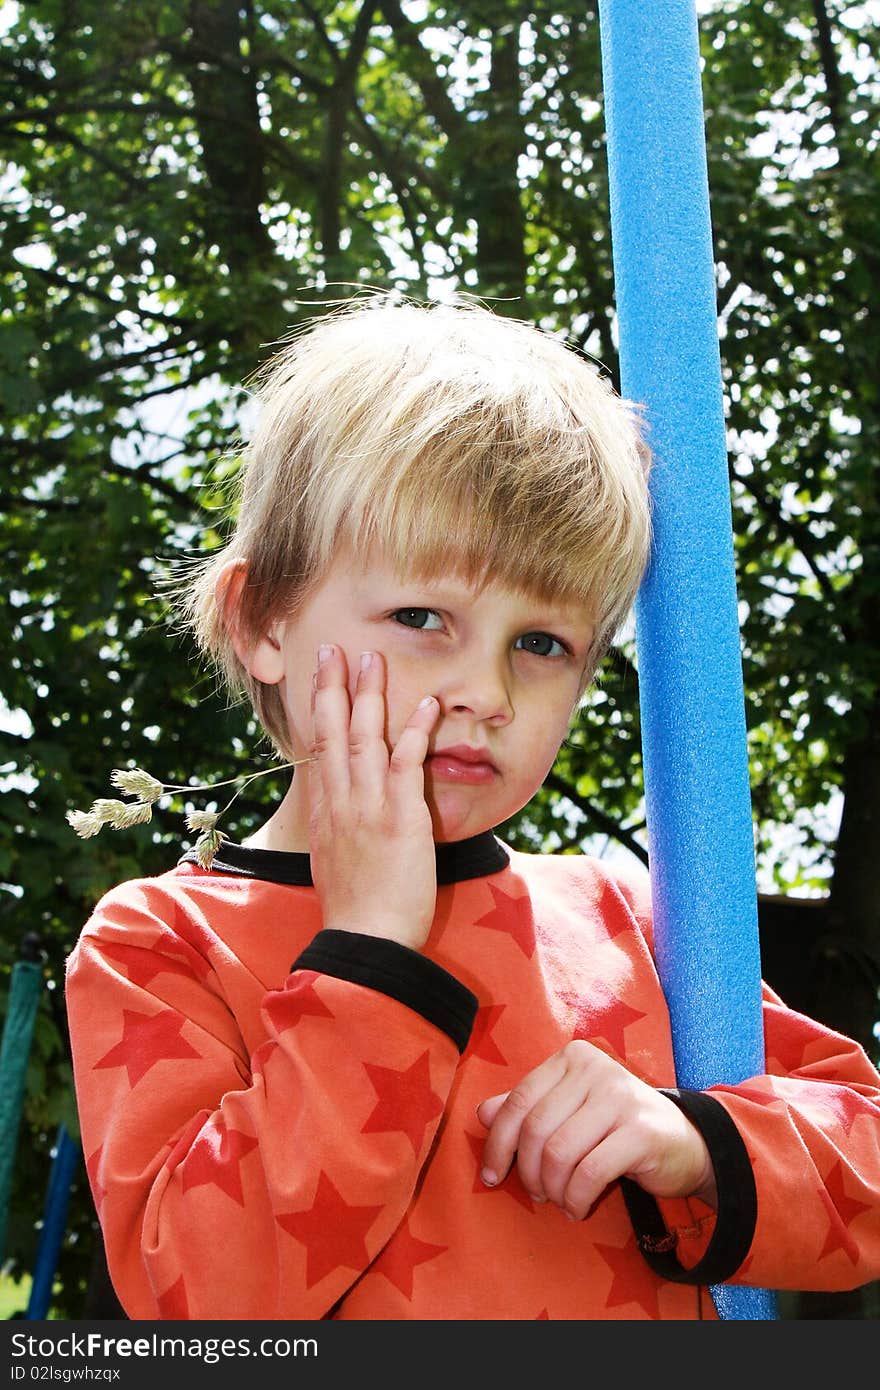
point(428, 700)
point(570, 1216)
point(536, 1197)
point(488, 1177)
point(324, 654)
point(366, 660)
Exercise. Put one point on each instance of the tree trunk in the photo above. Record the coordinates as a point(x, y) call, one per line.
point(228, 122)
point(498, 142)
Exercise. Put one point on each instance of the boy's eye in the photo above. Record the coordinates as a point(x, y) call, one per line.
point(418, 617)
point(540, 644)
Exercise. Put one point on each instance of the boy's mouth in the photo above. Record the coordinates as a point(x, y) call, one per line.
point(461, 763)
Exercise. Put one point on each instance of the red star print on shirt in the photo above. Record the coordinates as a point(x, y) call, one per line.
point(612, 916)
point(841, 1211)
point(512, 1184)
point(511, 915)
point(142, 966)
point(166, 955)
point(633, 1281)
point(92, 1166)
point(603, 1015)
point(791, 1050)
point(195, 933)
point(216, 1157)
point(298, 999)
point(406, 1101)
point(847, 1106)
point(401, 1255)
point(481, 1044)
point(331, 1230)
point(173, 1304)
point(147, 1039)
point(759, 1094)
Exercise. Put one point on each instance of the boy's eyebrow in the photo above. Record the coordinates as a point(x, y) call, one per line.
point(451, 586)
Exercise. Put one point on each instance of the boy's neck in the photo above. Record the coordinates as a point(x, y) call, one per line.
point(286, 830)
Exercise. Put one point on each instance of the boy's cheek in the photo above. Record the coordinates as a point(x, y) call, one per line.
point(399, 699)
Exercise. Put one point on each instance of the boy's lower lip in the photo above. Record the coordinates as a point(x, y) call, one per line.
point(451, 769)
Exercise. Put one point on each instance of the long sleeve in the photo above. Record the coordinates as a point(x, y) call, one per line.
point(240, 1181)
point(797, 1153)
point(797, 1157)
point(811, 1127)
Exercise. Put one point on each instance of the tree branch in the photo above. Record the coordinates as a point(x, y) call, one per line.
point(798, 535)
point(830, 70)
point(597, 818)
point(436, 98)
point(340, 100)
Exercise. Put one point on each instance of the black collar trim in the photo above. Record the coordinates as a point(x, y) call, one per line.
point(460, 860)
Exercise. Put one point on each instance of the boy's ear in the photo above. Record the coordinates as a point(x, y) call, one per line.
point(262, 658)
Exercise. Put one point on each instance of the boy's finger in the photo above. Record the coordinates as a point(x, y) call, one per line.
point(406, 765)
point(488, 1108)
point(503, 1138)
point(331, 713)
point(366, 740)
point(567, 1116)
point(611, 1158)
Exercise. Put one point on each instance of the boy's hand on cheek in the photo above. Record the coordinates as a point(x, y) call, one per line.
point(580, 1121)
point(370, 832)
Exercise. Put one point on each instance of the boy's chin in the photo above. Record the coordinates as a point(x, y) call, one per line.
point(456, 822)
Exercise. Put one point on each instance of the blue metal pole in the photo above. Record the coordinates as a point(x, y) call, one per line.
point(64, 1166)
point(690, 667)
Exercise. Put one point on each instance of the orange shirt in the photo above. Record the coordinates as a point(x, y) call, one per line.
point(279, 1121)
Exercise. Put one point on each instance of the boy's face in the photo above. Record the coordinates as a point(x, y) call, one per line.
point(505, 668)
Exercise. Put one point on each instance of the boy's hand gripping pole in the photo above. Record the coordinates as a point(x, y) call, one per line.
point(690, 668)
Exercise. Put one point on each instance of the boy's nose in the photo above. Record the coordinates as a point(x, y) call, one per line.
point(481, 691)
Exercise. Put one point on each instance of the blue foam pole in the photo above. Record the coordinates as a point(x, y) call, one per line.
point(698, 798)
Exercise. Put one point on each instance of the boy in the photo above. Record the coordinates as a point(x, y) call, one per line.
point(374, 1064)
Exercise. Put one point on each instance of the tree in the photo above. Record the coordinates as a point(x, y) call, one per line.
point(799, 303)
point(185, 183)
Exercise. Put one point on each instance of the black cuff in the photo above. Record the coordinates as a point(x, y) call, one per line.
point(737, 1200)
point(392, 969)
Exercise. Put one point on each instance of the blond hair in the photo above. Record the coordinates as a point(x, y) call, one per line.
point(450, 437)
